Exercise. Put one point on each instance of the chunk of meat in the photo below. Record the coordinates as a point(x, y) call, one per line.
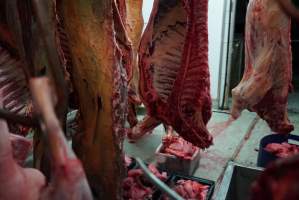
point(282, 150)
point(162, 176)
point(279, 181)
point(21, 147)
point(128, 160)
point(174, 71)
point(17, 182)
point(189, 189)
point(179, 147)
point(136, 186)
point(134, 190)
point(266, 81)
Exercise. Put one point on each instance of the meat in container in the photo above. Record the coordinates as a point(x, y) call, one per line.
point(174, 164)
point(264, 156)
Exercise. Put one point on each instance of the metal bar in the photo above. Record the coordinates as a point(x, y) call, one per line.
point(232, 16)
point(222, 48)
point(157, 182)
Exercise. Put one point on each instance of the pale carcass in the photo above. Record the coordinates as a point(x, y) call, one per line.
point(266, 82)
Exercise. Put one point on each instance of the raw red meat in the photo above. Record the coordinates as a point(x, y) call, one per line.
point(68, 178)
point(14, 87)
point(136, 186)
point(174, 71)
point(280, 181)
point(282, 150)
point(162, 176)
point(16, 182)
point(189, 189)
point(134, 190)
point(21, 147)
point(128, 161)
point(267, 78)
point(179, 147)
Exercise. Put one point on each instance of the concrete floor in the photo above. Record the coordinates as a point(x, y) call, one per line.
point(238, 143)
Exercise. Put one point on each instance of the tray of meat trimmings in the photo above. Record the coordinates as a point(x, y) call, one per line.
point(277, 146)
point(190, 187)
point(176, 155)
point(130, 162)
point(136, 186)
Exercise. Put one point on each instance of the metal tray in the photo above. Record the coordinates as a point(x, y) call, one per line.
point(237, 181)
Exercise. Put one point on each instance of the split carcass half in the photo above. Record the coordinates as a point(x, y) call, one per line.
point(100, 81)
point(174, 71)
point(266, 81)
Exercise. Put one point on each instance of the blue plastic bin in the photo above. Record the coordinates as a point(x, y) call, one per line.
point(265, 157)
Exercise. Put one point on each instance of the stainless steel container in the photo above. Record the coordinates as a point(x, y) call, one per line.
point(237, 181)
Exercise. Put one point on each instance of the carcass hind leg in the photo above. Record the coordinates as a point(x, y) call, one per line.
point(143, 127)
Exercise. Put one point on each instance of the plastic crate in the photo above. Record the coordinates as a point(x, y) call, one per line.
point(173, 164)
point(175, 177)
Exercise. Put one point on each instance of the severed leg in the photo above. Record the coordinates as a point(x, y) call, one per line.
point(68, 178)
point(145, 126)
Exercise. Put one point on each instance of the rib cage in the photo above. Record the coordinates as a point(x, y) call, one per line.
point(175, 85)
point(168, 55)
point(164, 54)
point(13, 83)
point(13, 86)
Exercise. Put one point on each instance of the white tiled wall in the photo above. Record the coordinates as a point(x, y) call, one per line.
point(216, 11)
